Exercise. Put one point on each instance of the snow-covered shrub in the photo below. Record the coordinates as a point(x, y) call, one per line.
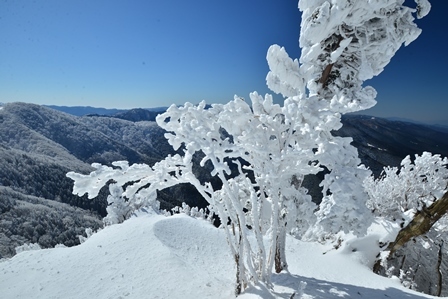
point(400, 192)
point(194, 212)
point(117, 209)
point(28, 247)
point(89, 232)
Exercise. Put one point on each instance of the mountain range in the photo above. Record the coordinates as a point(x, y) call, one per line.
point(40, 144)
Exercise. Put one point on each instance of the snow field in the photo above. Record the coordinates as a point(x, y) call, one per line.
point(153, 256)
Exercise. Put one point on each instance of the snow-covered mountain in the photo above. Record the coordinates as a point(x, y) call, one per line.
point(88, 110)
point(38, 146)
point(381, 142)
point(153, 256)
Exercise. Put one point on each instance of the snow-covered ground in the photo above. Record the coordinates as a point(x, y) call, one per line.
point(153, 256)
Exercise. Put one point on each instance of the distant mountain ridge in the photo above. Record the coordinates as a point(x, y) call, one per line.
point(134, 115)
point(84, 110)
point(437, 123)
point(381, 142)
point(88, 110)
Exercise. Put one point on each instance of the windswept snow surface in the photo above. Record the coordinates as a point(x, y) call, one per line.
point(153, 256)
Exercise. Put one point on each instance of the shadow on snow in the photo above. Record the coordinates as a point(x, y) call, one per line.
point(321, 289)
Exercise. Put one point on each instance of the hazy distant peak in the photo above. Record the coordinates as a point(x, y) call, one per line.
point(85, 110)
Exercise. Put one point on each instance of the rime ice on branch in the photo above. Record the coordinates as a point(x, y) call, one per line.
point(343, 44)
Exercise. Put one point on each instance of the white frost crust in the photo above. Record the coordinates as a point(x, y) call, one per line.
point(284, 76)
point(423, 8)
point(376, 30)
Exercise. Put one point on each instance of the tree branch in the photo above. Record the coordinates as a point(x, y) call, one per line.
point(326, 72)
point(421, 223)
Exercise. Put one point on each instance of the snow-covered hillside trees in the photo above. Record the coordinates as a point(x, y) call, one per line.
point(415, 197)
point(260, 151)
point(400, 192)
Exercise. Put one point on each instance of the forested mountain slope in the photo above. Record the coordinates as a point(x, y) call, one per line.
point(39, 145)
point(381, 142)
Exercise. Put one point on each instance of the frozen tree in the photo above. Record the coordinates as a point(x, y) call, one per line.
point(260, 195)
point(117, 209)
point(343, 44)
point(414, 195)
point(261, 152)
point(400, 192)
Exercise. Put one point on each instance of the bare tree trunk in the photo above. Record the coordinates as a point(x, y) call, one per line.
point(239, 283)
point(280, 256)
point(420, 224)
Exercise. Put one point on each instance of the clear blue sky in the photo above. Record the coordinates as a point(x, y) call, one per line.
point(149, 53)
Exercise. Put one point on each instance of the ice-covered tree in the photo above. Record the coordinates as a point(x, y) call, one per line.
point(261, 151)
point(400, 192)
point(414, 195)
point(343, 44)
point(260, 194)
